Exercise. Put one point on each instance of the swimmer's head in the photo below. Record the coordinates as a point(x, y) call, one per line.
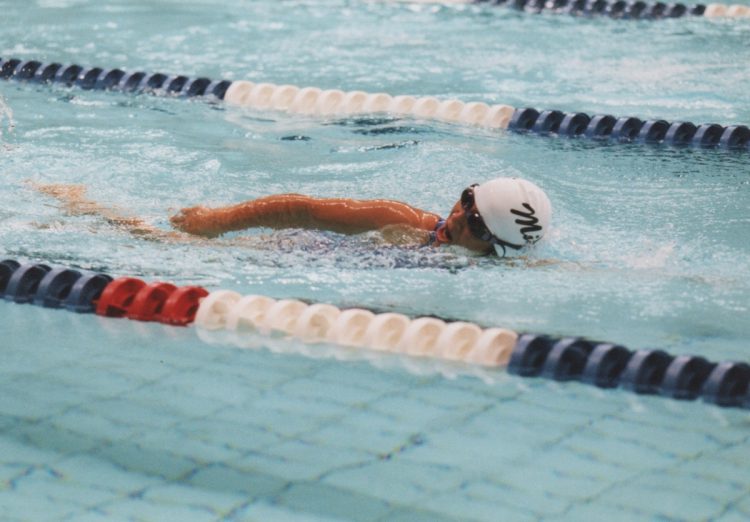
point(510, 213)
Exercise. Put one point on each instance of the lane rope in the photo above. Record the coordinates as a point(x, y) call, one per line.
point(618, 9)
point(333, 102)
point(606, 365)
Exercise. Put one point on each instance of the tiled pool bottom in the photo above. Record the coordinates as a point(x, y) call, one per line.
point(112, 420)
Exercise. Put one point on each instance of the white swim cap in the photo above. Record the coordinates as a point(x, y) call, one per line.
point(516, 212)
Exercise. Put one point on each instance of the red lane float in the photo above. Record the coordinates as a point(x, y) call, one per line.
point(156, 302)
point(149, 301)
point(118, 296)
point(182, 305)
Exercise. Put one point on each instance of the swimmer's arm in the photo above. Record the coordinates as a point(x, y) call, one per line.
point(74, 202)
point(347, 216)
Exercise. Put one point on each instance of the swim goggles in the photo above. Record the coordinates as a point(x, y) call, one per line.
point(477, 226)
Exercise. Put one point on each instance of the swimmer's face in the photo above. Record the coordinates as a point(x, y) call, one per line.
point(457, 231)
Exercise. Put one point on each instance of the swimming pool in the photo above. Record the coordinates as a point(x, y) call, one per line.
point(115, 419)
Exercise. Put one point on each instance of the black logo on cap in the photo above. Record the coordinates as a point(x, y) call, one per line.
point(529, 224)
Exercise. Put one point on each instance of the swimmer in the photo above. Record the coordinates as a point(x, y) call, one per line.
point(503, 215)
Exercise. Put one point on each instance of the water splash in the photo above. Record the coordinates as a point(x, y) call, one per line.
point(6, 117)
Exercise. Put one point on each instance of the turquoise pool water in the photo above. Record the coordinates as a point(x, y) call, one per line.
point(103, 419)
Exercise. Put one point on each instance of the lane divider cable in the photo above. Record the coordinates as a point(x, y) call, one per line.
point(605, 365)
point(336, 102)
point(617, 9)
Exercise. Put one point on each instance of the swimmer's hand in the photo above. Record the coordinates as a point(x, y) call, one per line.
point(74, 202)
point(72, 197)
point(198, 221)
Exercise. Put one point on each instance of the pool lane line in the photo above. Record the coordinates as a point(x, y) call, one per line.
point(312, 100)
point(624, 10)
point(605, 365)
point(601, 128)
point(617, 9)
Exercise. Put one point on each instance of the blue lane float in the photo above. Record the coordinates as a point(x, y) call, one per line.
point(98, 78)
point(24, 283)
point(55, 287)
point(49, 287)
point(605, 365)
point(645, 372)
point(85, 291)
point(601, 128)
point(628, 129)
